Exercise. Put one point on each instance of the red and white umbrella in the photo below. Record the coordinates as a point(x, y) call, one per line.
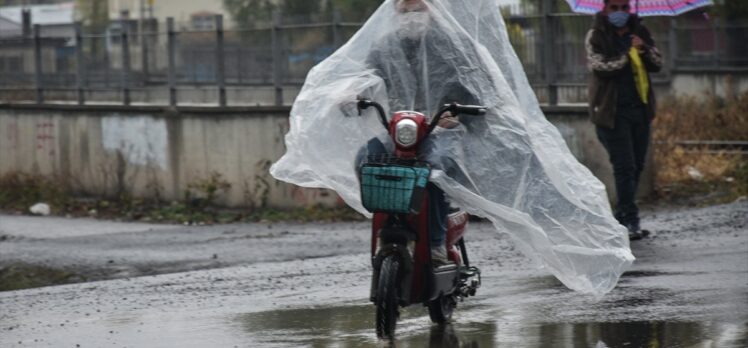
point(643, 7)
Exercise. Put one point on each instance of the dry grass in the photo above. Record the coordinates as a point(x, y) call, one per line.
point(700, 171)
point(18, 191)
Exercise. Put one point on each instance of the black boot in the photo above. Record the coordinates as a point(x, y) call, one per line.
point(635, 232)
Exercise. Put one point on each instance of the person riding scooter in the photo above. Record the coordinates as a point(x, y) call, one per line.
point(511, 165)
point(405, 60)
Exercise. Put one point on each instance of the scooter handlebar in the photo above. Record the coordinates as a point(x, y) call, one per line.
point(474, 110)
point(456, 109)
point(364, 104)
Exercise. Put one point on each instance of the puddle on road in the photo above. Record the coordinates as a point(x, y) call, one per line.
point(353, 326)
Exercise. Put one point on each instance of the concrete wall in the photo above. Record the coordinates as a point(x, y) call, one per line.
point(149, 151)
point(719, 83)
point(682, 83)
point(579, 134)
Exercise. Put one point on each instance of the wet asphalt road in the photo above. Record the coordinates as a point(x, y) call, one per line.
point(294, 285)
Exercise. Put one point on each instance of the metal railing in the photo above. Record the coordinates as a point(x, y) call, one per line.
point(267, 65)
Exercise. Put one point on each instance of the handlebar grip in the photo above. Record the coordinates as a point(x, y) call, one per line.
point(364, 103)
point(475, 110)
point(471, 110)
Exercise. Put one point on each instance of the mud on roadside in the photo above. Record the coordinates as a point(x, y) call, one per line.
point(19, 276)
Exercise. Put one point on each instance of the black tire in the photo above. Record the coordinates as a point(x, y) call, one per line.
point(440, 310)
point(387, 298)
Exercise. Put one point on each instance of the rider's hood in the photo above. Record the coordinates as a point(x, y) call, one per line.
point(518, 171)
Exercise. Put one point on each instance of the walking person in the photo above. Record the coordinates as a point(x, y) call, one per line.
point(621, 54)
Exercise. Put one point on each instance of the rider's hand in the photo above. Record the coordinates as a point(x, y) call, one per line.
point(448, 121)
point(349, 108)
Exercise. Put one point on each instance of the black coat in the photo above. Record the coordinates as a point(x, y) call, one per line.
point(606, 63)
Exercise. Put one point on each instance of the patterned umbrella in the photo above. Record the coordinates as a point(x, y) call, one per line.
point(643, 7)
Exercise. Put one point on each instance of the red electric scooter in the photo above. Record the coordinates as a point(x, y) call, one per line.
point(394, 188)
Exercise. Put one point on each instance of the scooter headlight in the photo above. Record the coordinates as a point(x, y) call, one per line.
point(406, 132)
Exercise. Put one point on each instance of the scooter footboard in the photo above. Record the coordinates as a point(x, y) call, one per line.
point(444, 281)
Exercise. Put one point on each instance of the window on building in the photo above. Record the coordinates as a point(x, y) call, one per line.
point(203, 21)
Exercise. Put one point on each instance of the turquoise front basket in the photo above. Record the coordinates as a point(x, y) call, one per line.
point(387, 188)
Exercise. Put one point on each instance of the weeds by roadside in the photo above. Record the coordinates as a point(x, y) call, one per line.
point(19, 191)
point(25, 276)
point(700, 174)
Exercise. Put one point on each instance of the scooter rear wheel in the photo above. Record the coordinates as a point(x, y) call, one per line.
point(440, 310)
point(387, 298)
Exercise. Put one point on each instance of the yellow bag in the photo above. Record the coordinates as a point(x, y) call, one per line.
point(640, 75)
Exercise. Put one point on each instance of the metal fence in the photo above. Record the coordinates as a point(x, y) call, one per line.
point(157, 63)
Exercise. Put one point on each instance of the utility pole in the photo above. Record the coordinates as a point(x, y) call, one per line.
point(220, 61)
point(142, 16)
point(548, 29)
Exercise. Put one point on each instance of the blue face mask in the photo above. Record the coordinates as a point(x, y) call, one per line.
point(618, 18)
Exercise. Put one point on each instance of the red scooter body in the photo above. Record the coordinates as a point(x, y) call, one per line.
point(403, 270)
point(457, 226)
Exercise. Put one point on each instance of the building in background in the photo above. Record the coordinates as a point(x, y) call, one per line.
point(9, 27)
point(190, 15)
point(56, 20)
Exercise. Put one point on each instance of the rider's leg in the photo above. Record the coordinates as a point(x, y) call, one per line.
point(438, 209)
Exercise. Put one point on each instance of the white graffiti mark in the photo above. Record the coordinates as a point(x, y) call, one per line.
point(142, 140)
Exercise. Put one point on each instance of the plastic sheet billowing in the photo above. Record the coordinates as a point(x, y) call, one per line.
point(511, 166)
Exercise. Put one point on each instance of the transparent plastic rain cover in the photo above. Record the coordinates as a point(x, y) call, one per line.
point(510, 166)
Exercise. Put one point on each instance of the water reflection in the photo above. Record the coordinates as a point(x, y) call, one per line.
point(445, 336)
point(320, 327)
point(642, 334)
point(626, 334)
point(353, 326)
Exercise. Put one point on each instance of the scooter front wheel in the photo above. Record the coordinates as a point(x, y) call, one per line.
point(387, 298)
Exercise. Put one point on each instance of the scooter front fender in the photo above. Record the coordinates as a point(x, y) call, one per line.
point(406, 271)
